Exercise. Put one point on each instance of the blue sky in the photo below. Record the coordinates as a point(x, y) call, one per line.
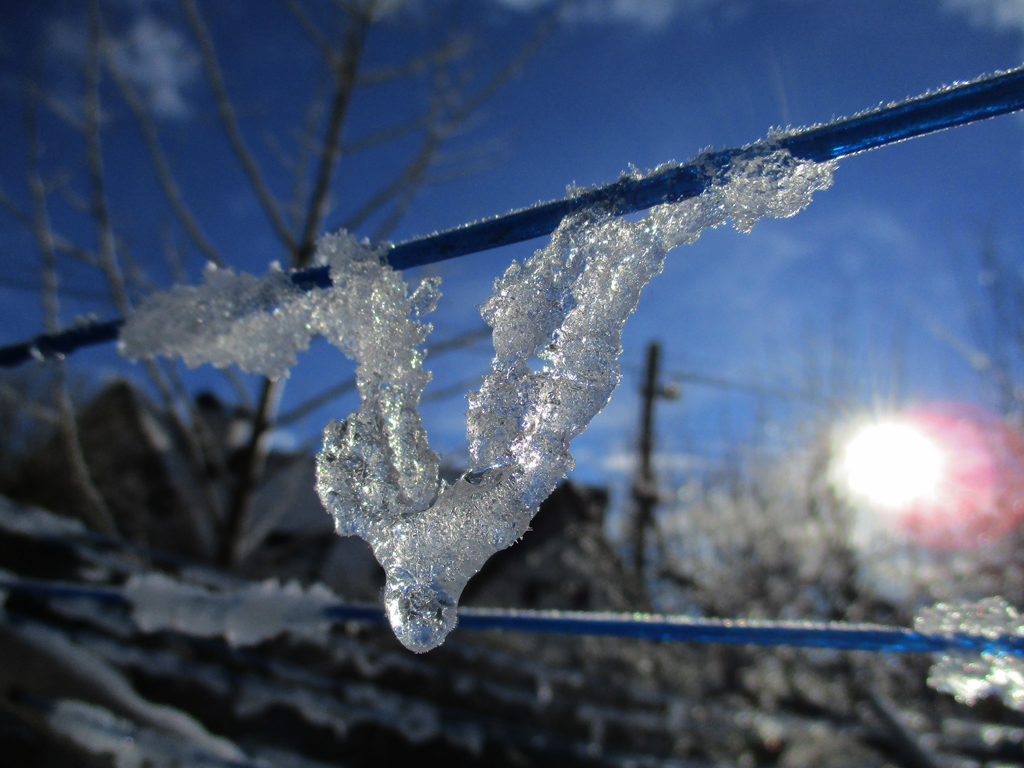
point(848, 285)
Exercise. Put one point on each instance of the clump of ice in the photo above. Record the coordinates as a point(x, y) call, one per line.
point(970, 677)
point(567, 306)
point(244, 617)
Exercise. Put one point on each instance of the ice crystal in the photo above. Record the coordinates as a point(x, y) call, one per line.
point(970, 677)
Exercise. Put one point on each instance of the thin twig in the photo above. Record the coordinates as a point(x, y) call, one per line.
point(404, 186)
point(307, 147)
point(406, 179)
point(244, 400)
point(450, 51)
point(312, 31)
point(405, 198)
point(200, 428)
point(70, 196)
point(164, 174)
point(205, 527)
point(61, 110)
point(173, 255)
point(96, 511)
point(253, 461)
point(58, 243)
point(33, 287)
point(23, 405)
point(461, 387)
point(100, 213)
point(385, 136)
point(226, 110)
point(310, 405)
point(344, 85)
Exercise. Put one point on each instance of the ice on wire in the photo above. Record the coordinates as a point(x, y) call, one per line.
point(566, 306)
point(244, 617)
point(259, 324)
point(968, 676)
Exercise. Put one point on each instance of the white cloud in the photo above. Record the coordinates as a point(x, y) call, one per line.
point(999, 14)
point(156, 58)
point(159, 61)
point(645, 13)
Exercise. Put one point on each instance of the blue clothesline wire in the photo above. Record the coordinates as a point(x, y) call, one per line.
point(960, 104)
point(835, 635)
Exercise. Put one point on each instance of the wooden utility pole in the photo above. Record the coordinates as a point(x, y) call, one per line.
point(645, 484)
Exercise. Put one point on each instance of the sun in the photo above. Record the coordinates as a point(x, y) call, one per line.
point(949, 475)
point(893, 465)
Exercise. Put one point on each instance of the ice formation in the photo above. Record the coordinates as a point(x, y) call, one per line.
point(244, 617)
point(566, 305)
point(260, 324)
point(970, 677)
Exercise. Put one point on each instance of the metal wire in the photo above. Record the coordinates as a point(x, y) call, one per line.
point(988, 96)
point(838, 635)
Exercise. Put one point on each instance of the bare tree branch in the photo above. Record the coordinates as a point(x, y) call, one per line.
point(62, 187)
point(308, 406)
point(61, 110)
point(227, 113)
point(239, 386)
point(455, 390)
point(173, 255)
point(254, 455)
point(209, 447)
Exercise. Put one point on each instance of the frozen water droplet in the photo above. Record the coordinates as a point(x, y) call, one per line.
point(420, 614)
